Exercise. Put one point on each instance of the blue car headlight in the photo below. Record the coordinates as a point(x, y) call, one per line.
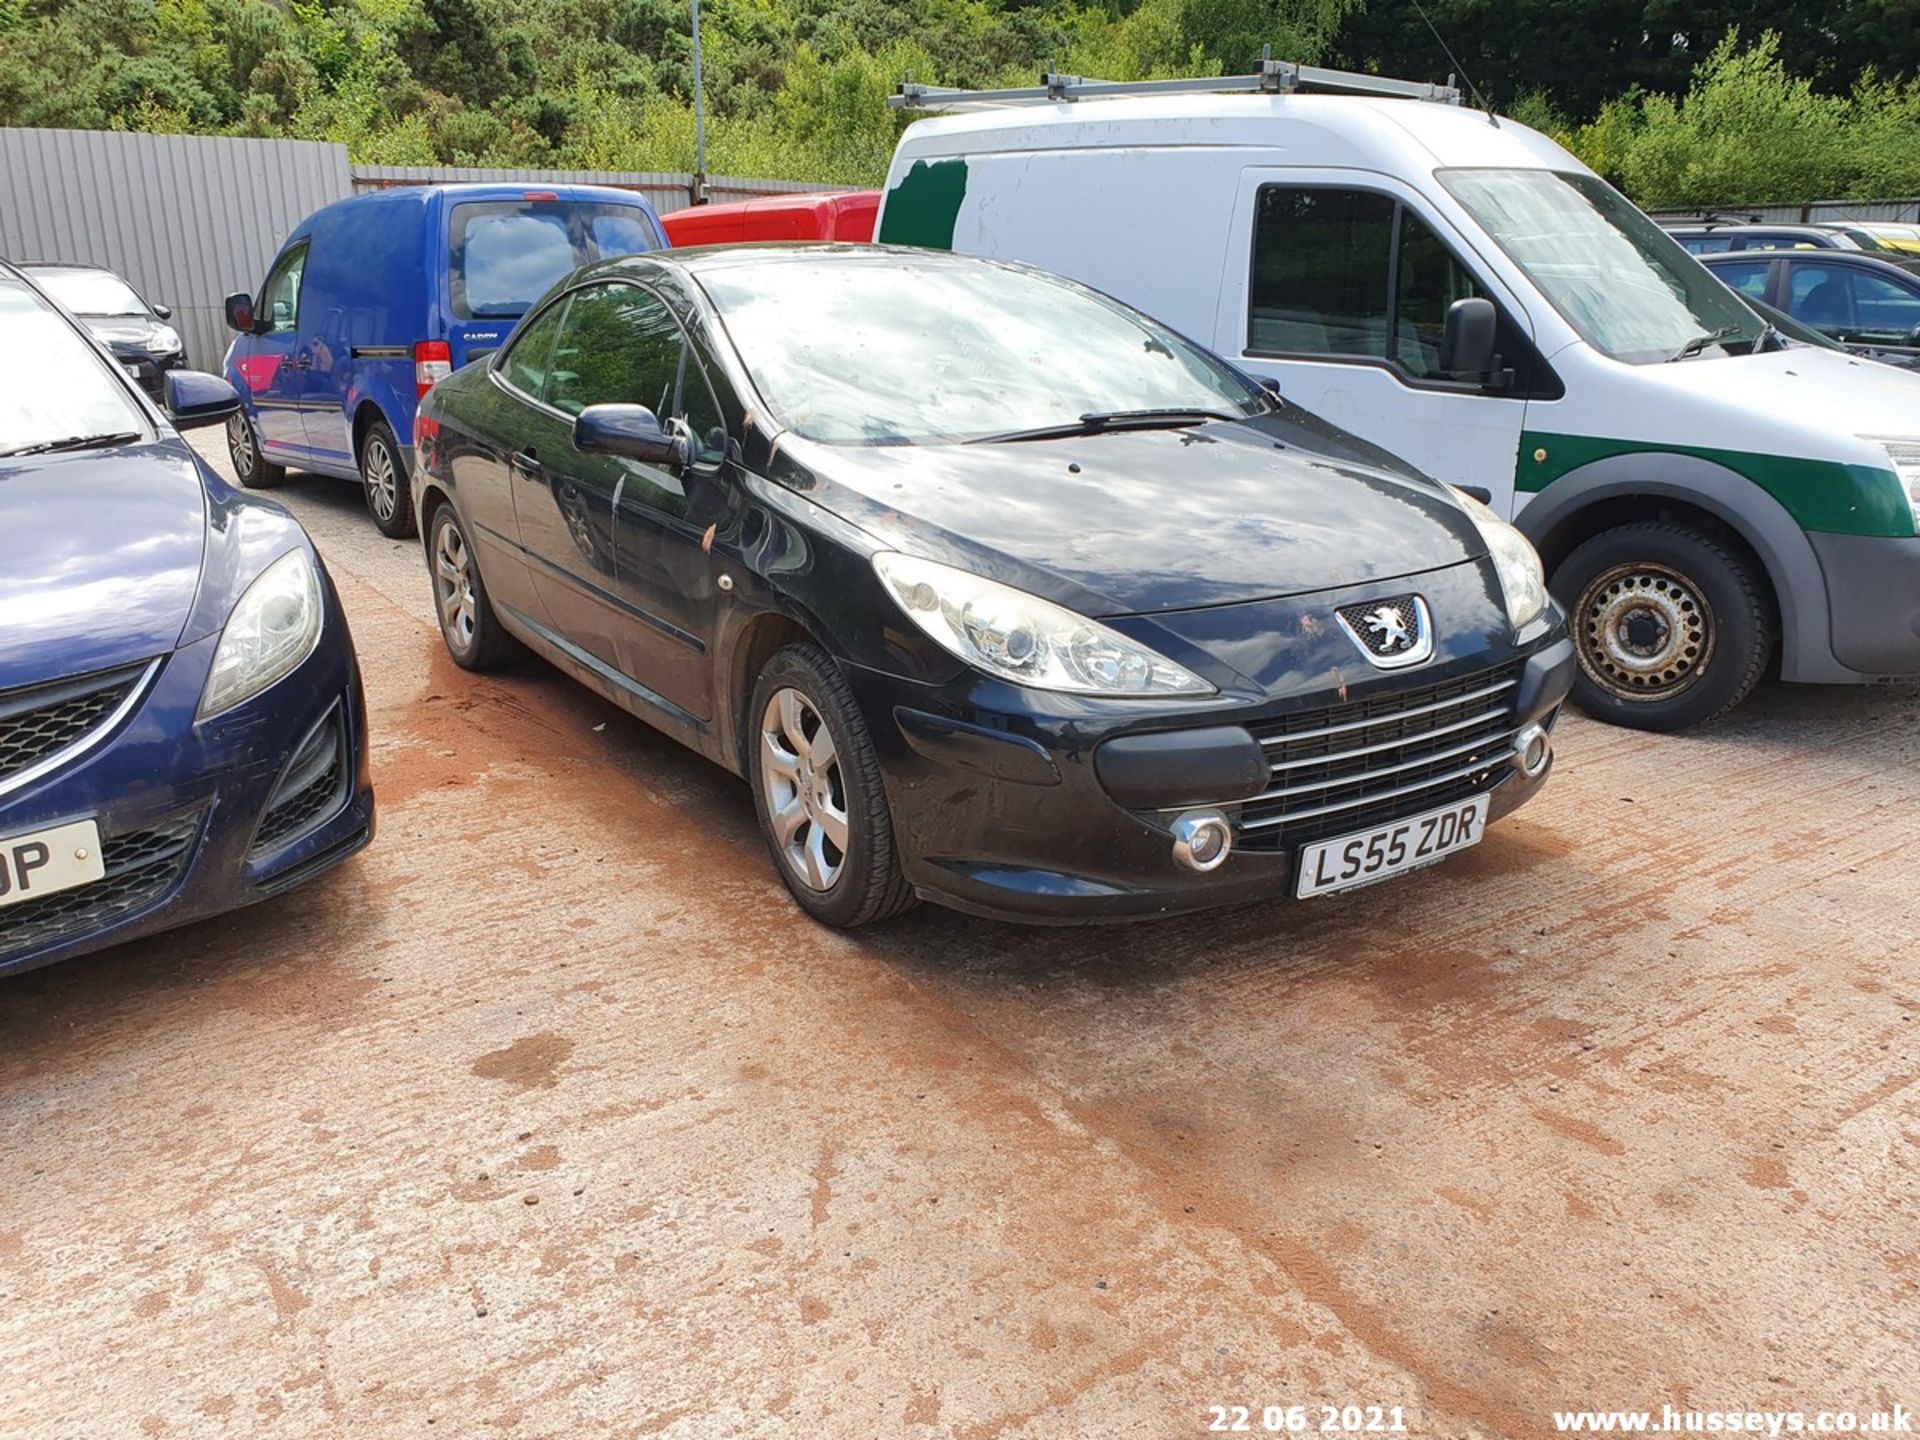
point(274, 627)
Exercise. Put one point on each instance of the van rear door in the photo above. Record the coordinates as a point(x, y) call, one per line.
point(506, 251)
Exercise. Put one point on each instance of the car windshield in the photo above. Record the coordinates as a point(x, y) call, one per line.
point(91, 292)
point(1621, 281)
point(882, 349)
point(54, 386)
point(508, 253)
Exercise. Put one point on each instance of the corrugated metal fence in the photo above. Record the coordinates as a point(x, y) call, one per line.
point(1905, 211)
point(186, 218)
point(191, 218)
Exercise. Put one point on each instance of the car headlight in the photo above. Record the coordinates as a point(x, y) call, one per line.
point(1020, 637)
point(1522, 578)
point(1904, 456)
point(165, 340)
point(274, 627)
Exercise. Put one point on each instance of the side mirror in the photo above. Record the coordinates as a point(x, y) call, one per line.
point(631, 431)
point(1466, 345)
point(165, 312)
point(240, 313)
point(196, 399)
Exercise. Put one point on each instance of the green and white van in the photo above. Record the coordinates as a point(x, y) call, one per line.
point(1706, 495)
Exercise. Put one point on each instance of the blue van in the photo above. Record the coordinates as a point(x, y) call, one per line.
point(374, 298)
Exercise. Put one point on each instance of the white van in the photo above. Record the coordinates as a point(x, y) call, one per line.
point(1467, 295)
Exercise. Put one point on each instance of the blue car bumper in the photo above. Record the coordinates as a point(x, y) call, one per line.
point(196, 818)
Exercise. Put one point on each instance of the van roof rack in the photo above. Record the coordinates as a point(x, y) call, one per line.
point(1274, 77)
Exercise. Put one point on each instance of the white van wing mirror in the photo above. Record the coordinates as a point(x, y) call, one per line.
point(1466, 345)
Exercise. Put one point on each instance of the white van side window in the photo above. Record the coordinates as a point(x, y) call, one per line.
point(1350, 273)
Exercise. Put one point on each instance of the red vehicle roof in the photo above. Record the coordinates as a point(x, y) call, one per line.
point(846, 216)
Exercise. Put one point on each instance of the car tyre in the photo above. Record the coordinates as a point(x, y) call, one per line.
point(250, 467)
point(475, 638)
point(1672, 627)
point(383, 470)
point(822, 802)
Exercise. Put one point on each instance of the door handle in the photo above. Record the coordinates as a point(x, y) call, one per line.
point(528, 464)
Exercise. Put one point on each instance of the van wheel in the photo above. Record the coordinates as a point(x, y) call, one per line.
point(383, 469)
point(472, 631)
point(250, 467)
point(819, 795)
point(1671, 627)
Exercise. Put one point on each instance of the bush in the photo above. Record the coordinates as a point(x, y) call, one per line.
point(1746, 132)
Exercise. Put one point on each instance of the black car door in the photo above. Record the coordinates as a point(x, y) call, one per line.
point(662, 519)
point(485, 438)
point(619, 345)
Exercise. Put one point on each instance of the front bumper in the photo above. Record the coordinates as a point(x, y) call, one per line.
point(1873, 591)
point(149, 371)
point(1038, 808)
point(197, 819)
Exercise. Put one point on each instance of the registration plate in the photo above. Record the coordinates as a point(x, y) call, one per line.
point(45, 862)
point(1370, 855)
point(132, 367)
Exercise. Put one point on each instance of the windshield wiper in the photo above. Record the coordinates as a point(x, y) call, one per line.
point(1095, 421)
point(75, 442)
point(1700, 342)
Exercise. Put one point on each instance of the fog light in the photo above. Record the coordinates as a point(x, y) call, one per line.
point(1202, 839)
point(1532, 750)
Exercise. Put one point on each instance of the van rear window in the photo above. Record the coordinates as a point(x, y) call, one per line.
point(506, 254)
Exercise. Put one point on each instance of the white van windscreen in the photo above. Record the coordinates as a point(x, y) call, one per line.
point(1617, 278)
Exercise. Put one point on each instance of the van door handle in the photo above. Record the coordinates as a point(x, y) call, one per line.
point(527, 463)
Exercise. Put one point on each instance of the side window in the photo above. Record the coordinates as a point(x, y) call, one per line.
point(1352, 273)
point(702, 411)
point(1320, 260)
point(1883, 310)
point(620, 346)
point(1429, 281)
point(1818, 296)
point(1749, 277)
point(280, 296)
point(525, 364)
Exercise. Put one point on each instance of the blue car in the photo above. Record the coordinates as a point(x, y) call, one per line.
point(182, 729)
point(374, 298)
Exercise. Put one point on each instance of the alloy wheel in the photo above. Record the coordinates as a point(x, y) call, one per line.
point(240, 445)
point(1645, 632)
point(453, 586)
point(806, 793)
point(383, 491)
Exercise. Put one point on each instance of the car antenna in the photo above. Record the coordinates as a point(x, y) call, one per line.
point(1420, 10)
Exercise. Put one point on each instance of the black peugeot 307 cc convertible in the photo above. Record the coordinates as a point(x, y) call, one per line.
point(998, 592)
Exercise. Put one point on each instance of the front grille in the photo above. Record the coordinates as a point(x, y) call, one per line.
point(310, 789)
point(38, 722)
point(142, 868)
point(1349, 767)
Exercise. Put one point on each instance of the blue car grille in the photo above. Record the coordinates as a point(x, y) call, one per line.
point(1350, 767)
point(38, 722)
point(143, 867)
point(310, 789)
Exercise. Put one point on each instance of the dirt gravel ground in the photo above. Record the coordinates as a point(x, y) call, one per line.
point(550, 1116)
